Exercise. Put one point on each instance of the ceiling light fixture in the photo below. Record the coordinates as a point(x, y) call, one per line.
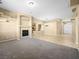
point(30, 3)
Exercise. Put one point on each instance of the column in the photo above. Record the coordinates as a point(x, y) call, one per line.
point(18, 27)
point(62, 28)
point(73, 30)
point(77, 30)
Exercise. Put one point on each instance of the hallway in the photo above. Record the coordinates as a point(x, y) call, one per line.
point(36, 49)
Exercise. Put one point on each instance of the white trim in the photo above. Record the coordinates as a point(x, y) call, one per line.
point(7, 40)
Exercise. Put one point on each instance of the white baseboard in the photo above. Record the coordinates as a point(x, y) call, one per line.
point(7, 40)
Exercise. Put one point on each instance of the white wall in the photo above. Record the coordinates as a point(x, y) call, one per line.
point(8, 30)
point(50, 28)
point(68, 28)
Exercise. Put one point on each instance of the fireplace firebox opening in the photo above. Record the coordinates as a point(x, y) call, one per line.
point(25, 32)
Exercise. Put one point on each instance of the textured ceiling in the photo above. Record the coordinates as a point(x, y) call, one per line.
point(43, 9)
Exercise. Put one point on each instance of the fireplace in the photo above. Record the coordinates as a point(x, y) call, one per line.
point(25, 32)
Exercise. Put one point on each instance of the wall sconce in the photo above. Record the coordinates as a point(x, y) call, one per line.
point(64, 23)
point(2, 19)
point(7, 21)
point(46, 25)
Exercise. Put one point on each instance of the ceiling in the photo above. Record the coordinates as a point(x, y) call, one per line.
point(43, 9)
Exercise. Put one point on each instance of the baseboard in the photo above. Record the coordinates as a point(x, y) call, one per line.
point(7, 40)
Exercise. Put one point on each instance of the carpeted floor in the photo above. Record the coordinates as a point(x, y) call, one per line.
point(36, 49)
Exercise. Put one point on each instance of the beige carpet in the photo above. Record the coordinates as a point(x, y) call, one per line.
point(36, 49)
